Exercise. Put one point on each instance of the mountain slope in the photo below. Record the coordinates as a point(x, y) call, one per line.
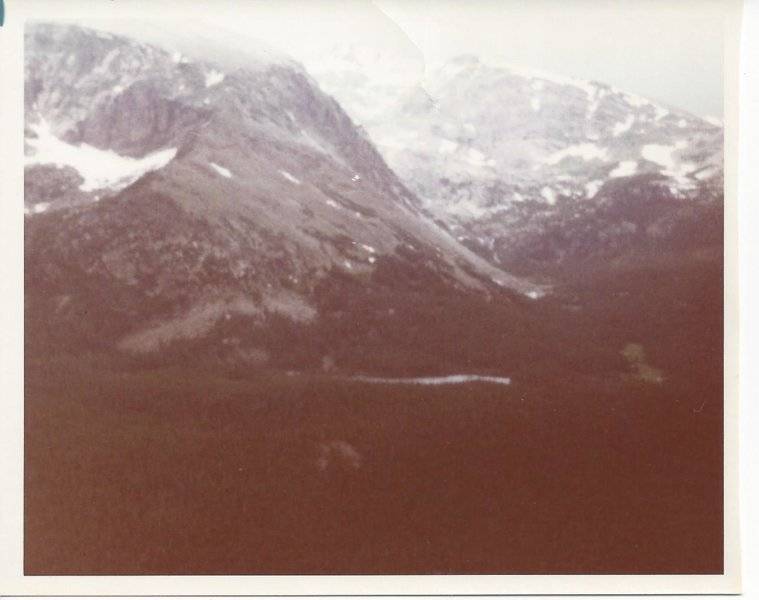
point(527, 167)
point(175, 196)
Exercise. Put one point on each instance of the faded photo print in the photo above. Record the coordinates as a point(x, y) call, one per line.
point(375, 288)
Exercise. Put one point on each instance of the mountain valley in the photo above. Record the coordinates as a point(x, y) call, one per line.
point(288, 319)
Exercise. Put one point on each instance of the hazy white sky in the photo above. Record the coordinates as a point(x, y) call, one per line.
point(667, 50)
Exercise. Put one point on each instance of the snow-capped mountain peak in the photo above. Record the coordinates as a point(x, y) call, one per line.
point(480, 141)
point(239, 192)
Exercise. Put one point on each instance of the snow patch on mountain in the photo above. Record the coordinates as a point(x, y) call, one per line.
point(179, 58)
point(592, 187)
point(679, 171)
point(213, 78)
point(623, 126)
point(478, 159)
point(586, 151)
point(626, 168)
point(660, 113)
point(223, 171)
point(549, 195)
point(447, 146)
point(465, 208)
point(100, 169)
point(290, 177)
point(707, 173)
point(636, 101)
point(662, 154)
point(441, 380)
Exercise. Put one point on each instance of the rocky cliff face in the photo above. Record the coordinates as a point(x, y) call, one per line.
point(529, 168)
point(166, 196)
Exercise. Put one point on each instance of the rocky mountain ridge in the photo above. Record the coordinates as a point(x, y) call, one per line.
point(166, 196)
point(502, 154)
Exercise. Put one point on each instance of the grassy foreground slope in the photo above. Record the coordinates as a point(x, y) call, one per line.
point(571, 469)
point(165, 473)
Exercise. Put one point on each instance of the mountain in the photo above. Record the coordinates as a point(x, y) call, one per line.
point(251, 348)
point(166, 197)
point(533, 170)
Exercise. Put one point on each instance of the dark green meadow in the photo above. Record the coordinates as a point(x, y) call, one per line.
point(579, 466)
point(169, 472)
